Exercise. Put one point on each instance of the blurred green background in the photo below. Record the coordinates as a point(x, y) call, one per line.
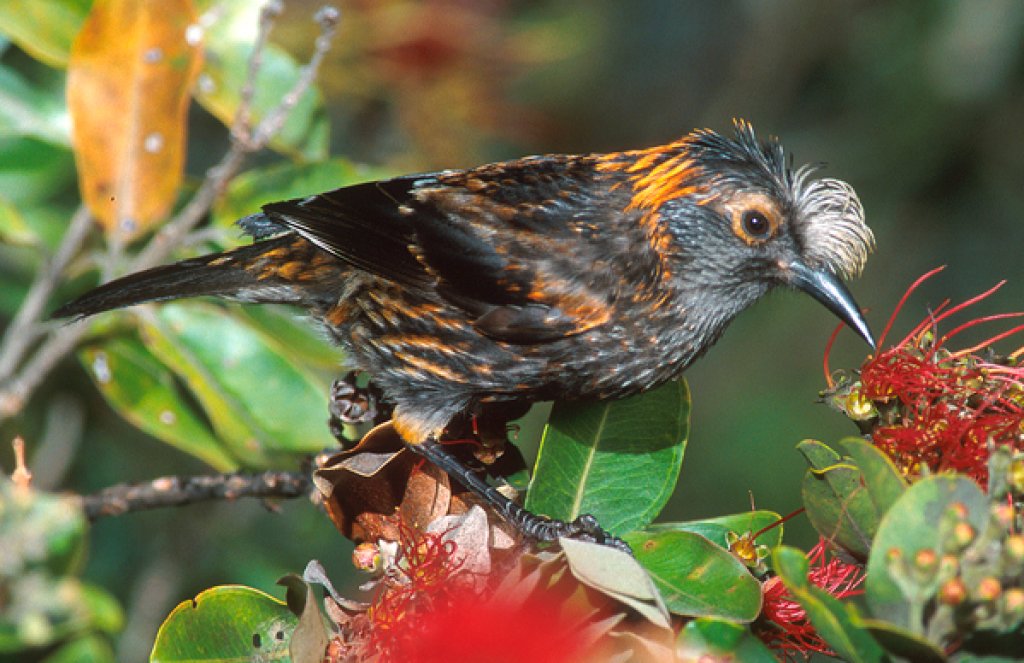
point(917, 104)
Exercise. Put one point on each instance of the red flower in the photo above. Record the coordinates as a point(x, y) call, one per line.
point(941, 409)
point(468, 629)
point(788, 630)
point(429, 609)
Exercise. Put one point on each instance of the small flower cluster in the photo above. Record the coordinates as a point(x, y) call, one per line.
point(787, 628)
point(933, 409)
point(416, 580)
point(431, 604)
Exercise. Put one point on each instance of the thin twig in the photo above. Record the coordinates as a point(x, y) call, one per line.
point(327, 17)
point(241, 127)
point(58, 344)
point(24, 328)
point(15, 389)
point(179, 491)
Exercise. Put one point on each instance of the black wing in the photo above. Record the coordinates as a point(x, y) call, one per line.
point(520, 246)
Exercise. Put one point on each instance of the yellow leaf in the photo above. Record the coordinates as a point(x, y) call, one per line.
point(131, 71)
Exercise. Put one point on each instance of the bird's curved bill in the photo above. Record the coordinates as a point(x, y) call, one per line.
point(830, 291)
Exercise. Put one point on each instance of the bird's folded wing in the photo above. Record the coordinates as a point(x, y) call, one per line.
point(510, 244)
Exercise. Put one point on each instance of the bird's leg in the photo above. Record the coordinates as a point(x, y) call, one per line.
point(353, 404)
point(541, 528)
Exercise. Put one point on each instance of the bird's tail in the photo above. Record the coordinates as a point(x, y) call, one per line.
point(269, 271)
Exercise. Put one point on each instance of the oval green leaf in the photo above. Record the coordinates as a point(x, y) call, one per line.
point(616, 460)
point(717, 529)
point(713, 639)
point(294, 337)
point(36, 110)
point(697, 578)
point(222, 624)
point(91, 648)
point(884, 482)
point(44, 28)
point(905, 644)
point(261, 404)
point(917, 521)
point(13, 228)
point(837, 502)
point(142, 390)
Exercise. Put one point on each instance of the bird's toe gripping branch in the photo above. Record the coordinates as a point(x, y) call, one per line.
point(352, 403)
point(540, 528)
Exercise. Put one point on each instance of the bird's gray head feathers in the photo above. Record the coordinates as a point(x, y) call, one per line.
point(831, 224)
point(827, 216)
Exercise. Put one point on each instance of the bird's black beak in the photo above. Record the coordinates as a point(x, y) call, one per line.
point(830, 291)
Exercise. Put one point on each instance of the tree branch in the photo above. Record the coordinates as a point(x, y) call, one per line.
point(24, 328)
point(179, 491)
point(16, 386)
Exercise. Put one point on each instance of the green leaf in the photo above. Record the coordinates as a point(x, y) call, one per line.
point(884, 482)
point(901, 642)
point(616, 460)
point(87, 649)
point(618, 575)
point(696, 577)
point(837, 503)
point(263, 406)
point(281, 181)
point(716, 529)
point(35, 111)
point(228, 623)
point(228, 44)
point(13, 228)
point(32, 170)
point(919, 520)
point(708, 638)
point(294, 337)
point(143, 391)
point(105, 613)
point(833, 621)
point(44, 28)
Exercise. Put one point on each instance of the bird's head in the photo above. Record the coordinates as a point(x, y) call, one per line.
point(736, 220)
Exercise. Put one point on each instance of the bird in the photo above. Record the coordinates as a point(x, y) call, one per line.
point(554, 277)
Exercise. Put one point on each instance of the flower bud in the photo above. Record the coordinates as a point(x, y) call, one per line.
point(1003, 513)
point(1013, 548)
point(953, 592)
point(926, 562)
point(1016, 477)
point(989, 589)
point(963, 535)
point(958, 510)
point(1013, 602)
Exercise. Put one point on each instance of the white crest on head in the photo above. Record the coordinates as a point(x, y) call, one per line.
point(831, 221)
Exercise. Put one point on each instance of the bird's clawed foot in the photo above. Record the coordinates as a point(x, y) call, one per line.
point(352, 403)
point(531, 525)
point(583, 528)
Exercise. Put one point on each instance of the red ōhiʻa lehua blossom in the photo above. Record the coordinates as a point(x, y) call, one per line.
point(427, 610)
point(785, 626)
point(941, 409)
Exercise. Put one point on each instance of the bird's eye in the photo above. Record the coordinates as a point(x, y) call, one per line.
point(756, 224)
